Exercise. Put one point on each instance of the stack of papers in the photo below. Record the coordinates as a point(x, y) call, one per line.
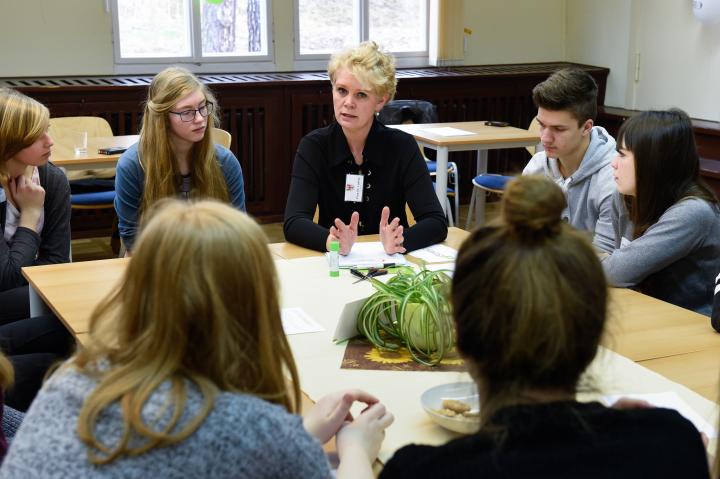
point(371, 255)
point(437, 253)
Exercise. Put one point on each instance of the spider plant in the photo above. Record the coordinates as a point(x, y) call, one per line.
point(411, 310)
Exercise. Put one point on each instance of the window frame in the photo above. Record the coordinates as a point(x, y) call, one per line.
point(319, 61)
point(196, 62)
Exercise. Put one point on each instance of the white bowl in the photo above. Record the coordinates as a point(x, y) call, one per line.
point(466, 392)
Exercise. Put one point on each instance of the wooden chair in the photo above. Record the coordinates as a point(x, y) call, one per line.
point(221, 137)
point(61, 130)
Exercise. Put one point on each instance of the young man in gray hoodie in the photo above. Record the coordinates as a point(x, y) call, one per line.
point(576, 153)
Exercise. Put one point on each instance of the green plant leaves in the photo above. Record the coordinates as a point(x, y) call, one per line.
point(411, 310)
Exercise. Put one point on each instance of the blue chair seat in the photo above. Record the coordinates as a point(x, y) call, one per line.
point(95, 198)
point(491, 182)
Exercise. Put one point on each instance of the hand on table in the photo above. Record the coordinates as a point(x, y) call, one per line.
point(329, 414)
point(391, 234)
point(344, 234)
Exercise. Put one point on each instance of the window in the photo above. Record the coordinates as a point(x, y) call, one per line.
point(326, 26)
point(190, 31)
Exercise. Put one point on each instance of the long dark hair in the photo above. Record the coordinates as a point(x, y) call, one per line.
point(529, 297)
point(667, 166)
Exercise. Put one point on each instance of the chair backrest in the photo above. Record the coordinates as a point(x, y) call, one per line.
point(94, 125)
point(534, 128)
point(61, 130)
point(408, 111)
point(221, 137)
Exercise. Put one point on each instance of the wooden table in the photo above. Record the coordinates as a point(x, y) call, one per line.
point(63, 155)
point(483, 138)
point(672, 341)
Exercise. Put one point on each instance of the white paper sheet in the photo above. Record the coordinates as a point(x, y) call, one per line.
point(372, 254)
point(670, 400)
point(437, 253)
point(297, 321)
point(448, 131)
point(450, 267)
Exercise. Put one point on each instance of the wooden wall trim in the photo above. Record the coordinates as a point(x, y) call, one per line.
point(268, 113)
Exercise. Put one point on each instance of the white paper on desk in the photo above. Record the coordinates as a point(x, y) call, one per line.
point(449, 268)
point(447, 131)
point(297, 321)
point(670, 400)
point(372, 254)
point(437, 253)
point(347, 325)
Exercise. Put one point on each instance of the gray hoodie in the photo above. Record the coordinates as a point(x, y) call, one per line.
point(589, 190)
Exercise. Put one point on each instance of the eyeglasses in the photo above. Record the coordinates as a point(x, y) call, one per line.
point(189, 115)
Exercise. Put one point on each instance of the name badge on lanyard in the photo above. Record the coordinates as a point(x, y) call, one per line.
point(354, 188)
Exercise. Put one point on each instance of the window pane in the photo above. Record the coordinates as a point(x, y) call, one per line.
point(327, 26)
point(160, 28)
point(234, 28)
point(399, 25)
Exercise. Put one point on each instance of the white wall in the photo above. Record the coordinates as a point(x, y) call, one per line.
point(515, 31)
point(52, 38)
point(679, 56)
point(679, 66)
point(599, 33)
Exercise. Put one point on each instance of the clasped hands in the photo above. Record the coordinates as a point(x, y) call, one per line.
point(391, 233)
point(331, 416)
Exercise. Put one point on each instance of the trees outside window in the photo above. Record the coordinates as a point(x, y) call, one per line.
point(326, 26)
point(190, 30)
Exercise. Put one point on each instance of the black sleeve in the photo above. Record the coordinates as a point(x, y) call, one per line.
point(430, 226)
point(20, 252)
point(55, 235)
point(715, 315)
point(302, 201)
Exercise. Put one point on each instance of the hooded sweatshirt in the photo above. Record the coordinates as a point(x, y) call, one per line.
point(589, 190)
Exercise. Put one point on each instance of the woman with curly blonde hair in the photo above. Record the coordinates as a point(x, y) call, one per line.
point(358, 172)
point(175, 156)
point(185, 371)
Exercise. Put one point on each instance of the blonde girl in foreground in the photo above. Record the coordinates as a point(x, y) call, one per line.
point(185, 371)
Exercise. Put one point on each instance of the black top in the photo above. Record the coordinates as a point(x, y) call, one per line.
point(28, 248)
point(564, 439)
point(395, 174)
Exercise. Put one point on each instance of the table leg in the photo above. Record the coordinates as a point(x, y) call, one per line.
point(37, 305)
point(441, 180)
point(480, 199)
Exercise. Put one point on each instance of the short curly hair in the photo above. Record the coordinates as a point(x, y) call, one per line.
point(374, 68)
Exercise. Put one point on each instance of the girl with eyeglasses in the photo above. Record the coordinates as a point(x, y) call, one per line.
point(175, 156)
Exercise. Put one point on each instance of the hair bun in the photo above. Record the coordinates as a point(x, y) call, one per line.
point(533, 206)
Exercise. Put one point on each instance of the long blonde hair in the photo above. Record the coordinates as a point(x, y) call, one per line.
point(197, 303)
point(162, 176)
point(22, 121)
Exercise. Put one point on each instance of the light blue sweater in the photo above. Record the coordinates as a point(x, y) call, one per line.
point(675, 260)
point(130, 183)
point(242, 437)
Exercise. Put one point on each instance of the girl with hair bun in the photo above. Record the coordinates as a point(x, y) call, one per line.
point(530, 301)
point(175, 156)
point(188, 372)
point(666, 221)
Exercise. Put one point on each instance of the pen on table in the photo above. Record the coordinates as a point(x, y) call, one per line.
point(374, 266)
